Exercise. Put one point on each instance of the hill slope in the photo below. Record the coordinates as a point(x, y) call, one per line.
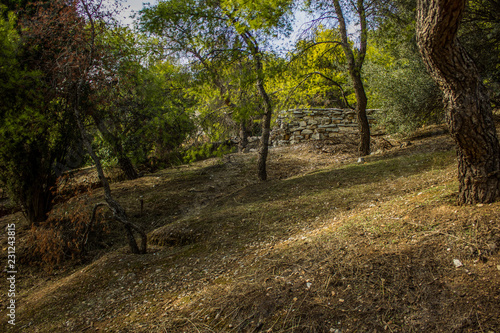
point(327, 245)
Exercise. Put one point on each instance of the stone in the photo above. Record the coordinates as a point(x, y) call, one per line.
point(346, 129)
point(316, 123)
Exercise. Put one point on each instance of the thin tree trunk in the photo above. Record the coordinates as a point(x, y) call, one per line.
point(118, 211)
point(268, 108)
point(363, 124)
point(468, 109)
point(355, 63)
point(264, 142)
point(266, 128)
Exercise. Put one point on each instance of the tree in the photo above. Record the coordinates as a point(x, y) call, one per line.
point(62, 42)
point(354, 54)
point(142, 111)
point(216, 33)
point(37, 130)
point(90, 73)
point(228, 115)
point(468, 108)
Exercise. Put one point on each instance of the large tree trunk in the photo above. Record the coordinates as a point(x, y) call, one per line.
point(127, 167)
point(468, 109)
point(38, 202)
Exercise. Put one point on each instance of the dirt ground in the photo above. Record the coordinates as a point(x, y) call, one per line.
point(327, 244)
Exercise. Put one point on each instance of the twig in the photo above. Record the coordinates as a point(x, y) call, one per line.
point(89, 225)
point(189, 321)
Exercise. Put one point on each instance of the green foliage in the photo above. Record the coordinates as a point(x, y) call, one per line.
point(227, 43)
point(143, 114)
point(317, 75)
point(207, 150)
point(269, 16)
point(480, 33)
point(398, 82)
point(403, 90)
point(35, 131)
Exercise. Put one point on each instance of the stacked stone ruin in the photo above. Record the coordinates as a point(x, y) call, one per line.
point(298, 125)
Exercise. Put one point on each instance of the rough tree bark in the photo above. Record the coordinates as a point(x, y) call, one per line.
point(468, 109)
point(355, 63)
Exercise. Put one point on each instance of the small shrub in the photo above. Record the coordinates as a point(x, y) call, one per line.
point(61, 237)
point(208, 150)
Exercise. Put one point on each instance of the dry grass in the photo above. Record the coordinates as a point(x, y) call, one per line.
point(326, 245)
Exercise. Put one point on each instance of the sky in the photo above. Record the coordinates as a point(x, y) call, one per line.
point(131, 6)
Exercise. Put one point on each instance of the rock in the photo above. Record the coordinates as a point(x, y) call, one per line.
point(321, 121)
point(457, 263)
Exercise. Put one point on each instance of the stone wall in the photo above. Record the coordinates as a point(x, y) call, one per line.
point(298, 125)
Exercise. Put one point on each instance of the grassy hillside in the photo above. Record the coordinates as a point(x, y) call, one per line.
point(326, 245)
